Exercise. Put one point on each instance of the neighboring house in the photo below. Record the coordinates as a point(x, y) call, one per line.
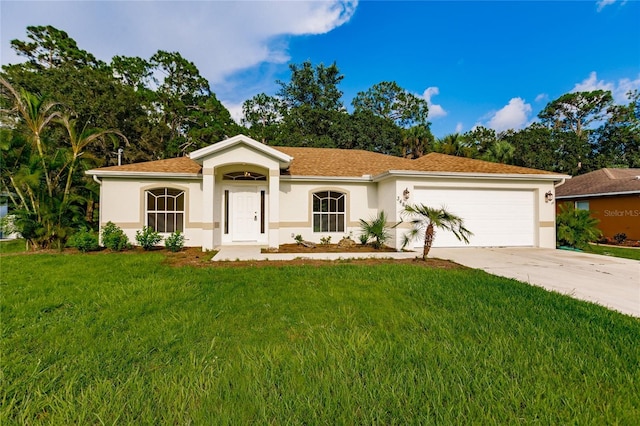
point(611, 195)
point(240, 191)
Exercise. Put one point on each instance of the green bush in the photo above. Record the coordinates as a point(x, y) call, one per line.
point(174, 242)
point(114, 238)
point(148, 238)
point(576, 228)
point(375, 229)
point(84, 240)
point(620, 237)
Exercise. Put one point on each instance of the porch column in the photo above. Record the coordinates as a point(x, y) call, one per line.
point(274, 207)
point(208, 190)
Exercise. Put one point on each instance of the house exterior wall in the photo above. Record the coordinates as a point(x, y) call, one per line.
point(296, 208)
point(617, 214)
point(544, 212)
point(237, 158)
point(122, 201)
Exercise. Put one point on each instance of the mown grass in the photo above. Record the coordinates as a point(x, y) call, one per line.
point(12, 246)
point(627, 253)
point(124, 339)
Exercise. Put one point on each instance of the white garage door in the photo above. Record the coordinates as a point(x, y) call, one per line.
point(496, 217)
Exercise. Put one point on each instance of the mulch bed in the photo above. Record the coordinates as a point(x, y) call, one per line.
point(195, 257)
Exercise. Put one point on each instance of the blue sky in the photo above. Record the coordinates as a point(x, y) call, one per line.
point(491, 63)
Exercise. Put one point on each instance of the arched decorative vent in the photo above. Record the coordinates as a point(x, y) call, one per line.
point(244, 176)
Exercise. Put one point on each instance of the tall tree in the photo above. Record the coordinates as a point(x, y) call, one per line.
point(387, 99)
point(262, 114)
point(617, 142)
point(417, 141)
point(315, 88)
point(51, 48)
point(575, 112)
point(311, 105)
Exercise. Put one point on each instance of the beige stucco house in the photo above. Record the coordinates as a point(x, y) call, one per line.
point(240, 191)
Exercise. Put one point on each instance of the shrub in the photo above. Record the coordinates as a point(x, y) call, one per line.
point(114, 238)
point(298, 239)
point(375, 229)
point(620, 237)
point(84, 240)
point(576, 228)
point(174, 242)
point(325, 240)
point(148, 238)
point(364, 238)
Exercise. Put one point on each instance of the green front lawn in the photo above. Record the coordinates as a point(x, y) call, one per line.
point(627, 253)
point(124, 339)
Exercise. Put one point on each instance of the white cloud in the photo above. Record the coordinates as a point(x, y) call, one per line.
point(459, 127)
point(514, 115)
point(619, 90)
point(220, 37)
point(435, 111)
point(542, 97)
point(601, 4)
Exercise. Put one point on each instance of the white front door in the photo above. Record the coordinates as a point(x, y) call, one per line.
point(245, 214)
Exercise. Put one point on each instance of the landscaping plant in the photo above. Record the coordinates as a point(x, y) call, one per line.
point(576, 228)
point(425, 219)
point(84, 240)
point(147, 238)
point(174, 242)
point(376, 230)
point(114, 238)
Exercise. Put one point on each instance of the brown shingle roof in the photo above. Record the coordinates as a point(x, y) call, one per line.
point(603, 181)
point(436, 162)
point(339, 162)
point(342, 163)
point(171, 165)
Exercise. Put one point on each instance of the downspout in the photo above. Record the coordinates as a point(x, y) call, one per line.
point(98, 181)
point(555, 185)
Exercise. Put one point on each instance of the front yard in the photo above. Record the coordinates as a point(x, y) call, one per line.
point(126, 338)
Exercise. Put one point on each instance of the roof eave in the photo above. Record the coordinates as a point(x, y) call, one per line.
point(300, 178)
point(143, 175)
point(466, 175)
point(601, 194)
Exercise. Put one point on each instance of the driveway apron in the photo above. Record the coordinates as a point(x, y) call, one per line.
point(608, 281)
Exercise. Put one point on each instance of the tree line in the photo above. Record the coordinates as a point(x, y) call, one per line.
point(64, 111)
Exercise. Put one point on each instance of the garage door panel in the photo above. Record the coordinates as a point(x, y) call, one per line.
point(496, 217)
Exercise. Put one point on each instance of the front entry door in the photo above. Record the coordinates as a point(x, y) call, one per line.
point(245, 214)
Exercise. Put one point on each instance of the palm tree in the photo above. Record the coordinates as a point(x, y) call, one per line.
point(37, 113)
point(376, 229)
point(428, 218)
point(79, 140)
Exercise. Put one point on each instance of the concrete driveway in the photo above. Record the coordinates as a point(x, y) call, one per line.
point(607, 281)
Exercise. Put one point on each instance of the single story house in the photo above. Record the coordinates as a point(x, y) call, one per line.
point(611, 195)
point(240, 191)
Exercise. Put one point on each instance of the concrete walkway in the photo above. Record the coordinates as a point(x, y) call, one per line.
point(609, 281)
point(254, 253)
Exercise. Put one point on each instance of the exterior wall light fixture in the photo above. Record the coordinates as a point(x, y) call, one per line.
point(548, 197)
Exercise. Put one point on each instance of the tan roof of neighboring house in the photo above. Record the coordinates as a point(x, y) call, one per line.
point(342, 163)
point(603, 181)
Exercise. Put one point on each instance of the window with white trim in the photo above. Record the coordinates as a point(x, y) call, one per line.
point(165, 210)
point(329, 211)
